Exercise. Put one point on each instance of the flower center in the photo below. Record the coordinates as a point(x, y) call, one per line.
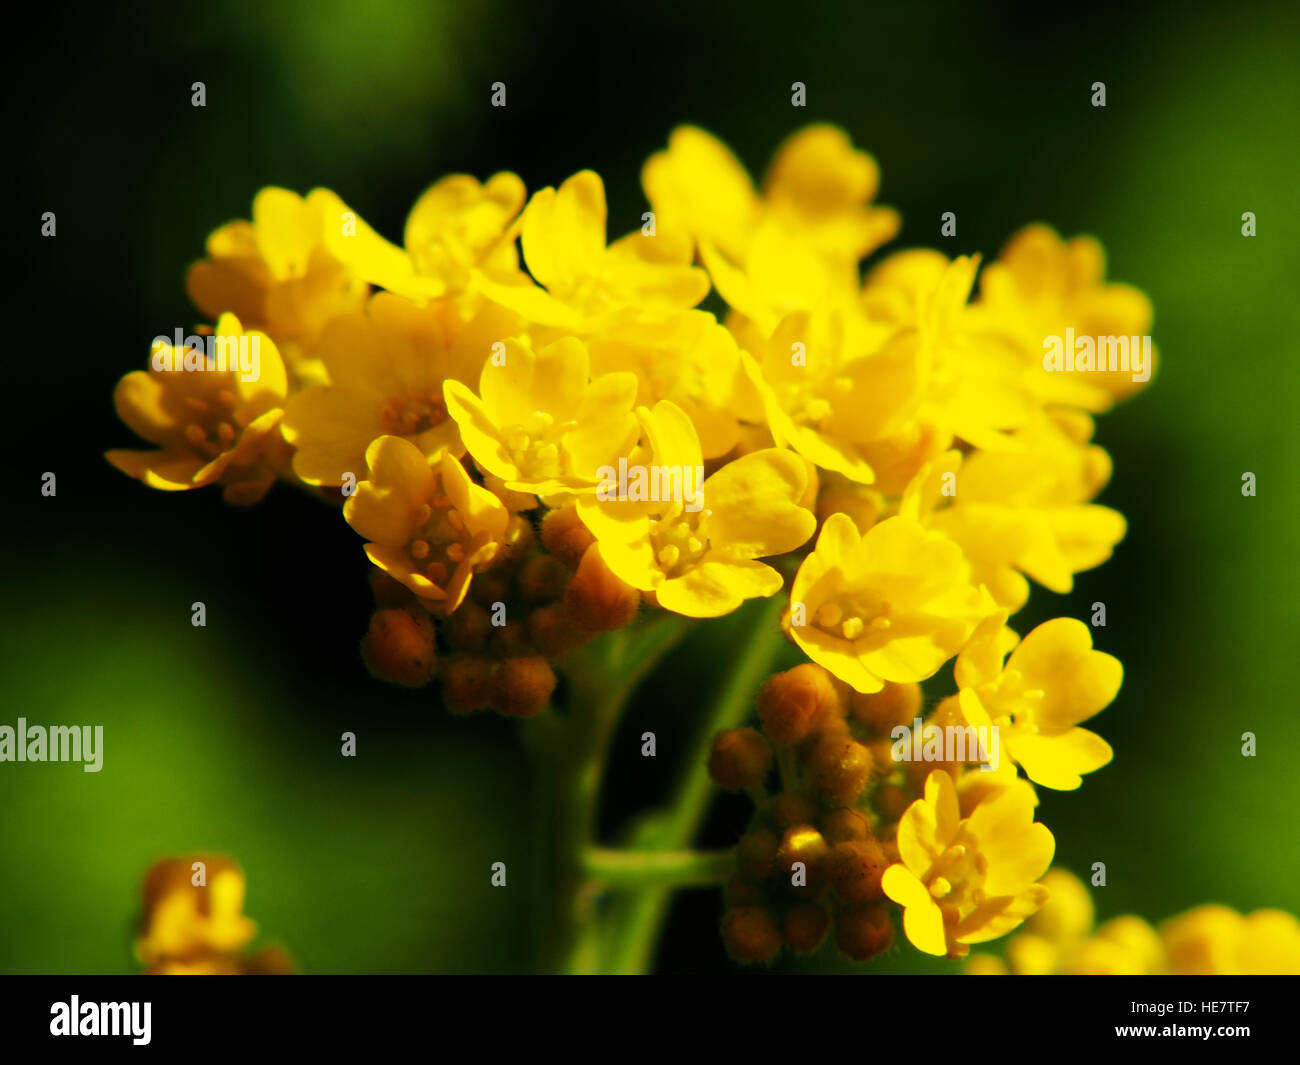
point(854, 616)
point(411, 415)
point(212, 430)
point(443, 541)
point(679, 539)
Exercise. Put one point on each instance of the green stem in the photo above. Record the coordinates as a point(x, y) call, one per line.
point(571, 760)
point(636, 870)
point(673, 829)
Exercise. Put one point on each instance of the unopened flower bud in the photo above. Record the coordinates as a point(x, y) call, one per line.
point(802, 843)
point(521, 687)
point(756, 853)
point(468, 627)
point(793, 703)
point(542, 579)
point(864, 930)
point(854, 869)
point(552, 631)
point(840, 768)
point(565, 536)
point(466, 683)
point(805, 926)
point(844, 824)
point(597, 599)
point(740, 759)
point(399, 647)
point(750, 933)
point(738, 891)
point(792, 808)
point(894, 704)
point(510, 640)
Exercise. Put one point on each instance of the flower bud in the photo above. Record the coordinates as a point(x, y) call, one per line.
point(565, 537)
point(840, 768)
point(399, 647)
point(844, 824)
point(864, 930)
point(542, 579)
point(597, 599)
point(756, 853)
point(466, 683)
point(894, 704)
point(740, 892)
point(802, 843)
point(552, 631)
point(792, 808)
point(793, 703)
point(750, 933)
point(854, 869)
point(468, 627)
point(740, 759)
point(510, 640)
point(805, 926)
point(521, 687)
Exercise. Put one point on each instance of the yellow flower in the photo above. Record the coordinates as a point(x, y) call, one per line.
point(193, 924)
point(891, 605)
point(1210, 940)
point(1042, 286)
point(697, 553)
point(1052, 681)
point(826, 403)
point(690, 359)
point(795, 249)
point(964, 880)
point(459, 233)
point(540, 423)
point(1025, 511)
point(386, 366)
point(214, 418)
point(276, 274)
point(587, 283)
point(429, 527)
point(1217, 941)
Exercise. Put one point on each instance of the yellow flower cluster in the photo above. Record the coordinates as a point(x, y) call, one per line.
point(1209, 940)
point(539, 432)
point(194, 923)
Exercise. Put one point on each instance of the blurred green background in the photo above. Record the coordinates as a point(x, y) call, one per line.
point(226, 738)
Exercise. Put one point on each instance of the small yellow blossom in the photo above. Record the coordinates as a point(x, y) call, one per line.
point(459, 233)
point(429, 527)
point(187, 921)
point(1209, 940)
point(211, 426)
point(585, 282)
point(276, 274)
point(386, 367)
point(1040, 287)
point(540, 422)
point(1052, 681)
point(1025, 511)
point(1217, 941)
point(964, 880)
point(891, 605)
point(699, 556)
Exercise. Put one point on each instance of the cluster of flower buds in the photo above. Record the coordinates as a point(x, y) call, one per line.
point(817, 848)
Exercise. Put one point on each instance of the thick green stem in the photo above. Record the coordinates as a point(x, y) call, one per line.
point(571, 756)
point(673, 829)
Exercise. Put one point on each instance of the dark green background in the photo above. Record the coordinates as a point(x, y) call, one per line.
point(226, 738)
